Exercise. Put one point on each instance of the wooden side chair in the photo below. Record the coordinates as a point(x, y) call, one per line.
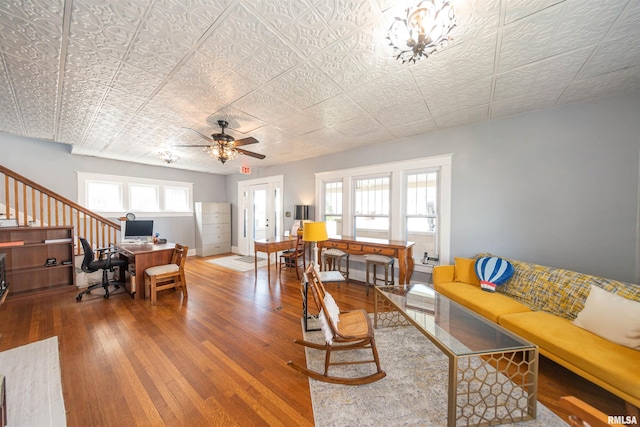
point(294, 258)
point(168, 276)
point(351, 330)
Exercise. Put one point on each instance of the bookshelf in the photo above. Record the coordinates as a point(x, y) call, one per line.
point(27, 250)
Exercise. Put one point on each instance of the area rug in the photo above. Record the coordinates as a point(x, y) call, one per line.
point(414, 392)
point(33, 384)
point(238, 262)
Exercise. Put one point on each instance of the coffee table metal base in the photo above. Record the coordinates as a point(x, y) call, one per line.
point(486, 388)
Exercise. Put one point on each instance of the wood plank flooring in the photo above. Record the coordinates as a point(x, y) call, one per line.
point(218, 358)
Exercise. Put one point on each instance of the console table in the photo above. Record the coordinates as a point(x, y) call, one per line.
point(400, 249)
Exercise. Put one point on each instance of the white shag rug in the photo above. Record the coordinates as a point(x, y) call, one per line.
point(238, 262)
point(414, 392)
point(33, 385)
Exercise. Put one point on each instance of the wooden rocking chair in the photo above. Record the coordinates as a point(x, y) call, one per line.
point(352, 331)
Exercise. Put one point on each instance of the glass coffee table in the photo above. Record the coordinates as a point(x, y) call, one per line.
point(493, 373)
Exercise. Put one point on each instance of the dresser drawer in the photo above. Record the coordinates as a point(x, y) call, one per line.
point(334, 245)
point(216, 218)
point(379, 251)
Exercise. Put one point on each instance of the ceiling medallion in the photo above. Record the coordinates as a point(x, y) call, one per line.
point(425, 30)
point(168, 157)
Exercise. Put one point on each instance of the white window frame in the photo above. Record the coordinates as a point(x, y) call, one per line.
point(125, 182)
point(397, 171)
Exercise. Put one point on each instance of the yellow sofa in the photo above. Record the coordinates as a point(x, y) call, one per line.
point(539, 304)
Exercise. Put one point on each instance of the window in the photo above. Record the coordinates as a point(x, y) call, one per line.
point(421, 219)
point(143, 198)
point(104, 196)
point(408, 200)
point(112, 195)
point(371, 207)
point(333, 208)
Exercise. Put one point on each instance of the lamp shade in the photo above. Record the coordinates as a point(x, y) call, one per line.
point(315, 232)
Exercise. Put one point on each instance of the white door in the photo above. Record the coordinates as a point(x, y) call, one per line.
point(260, 214)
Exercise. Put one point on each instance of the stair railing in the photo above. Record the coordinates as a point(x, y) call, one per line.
point(31, 204)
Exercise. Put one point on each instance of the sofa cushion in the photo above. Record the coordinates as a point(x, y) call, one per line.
point(488, 304)
point(612, 363)
point(612, 317)
point(465, 271)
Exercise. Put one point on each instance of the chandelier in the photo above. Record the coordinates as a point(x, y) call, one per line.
point(168, 157)
point(425, 30)
point(224, 151)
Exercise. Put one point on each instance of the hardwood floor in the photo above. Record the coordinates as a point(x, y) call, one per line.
point(218, 358)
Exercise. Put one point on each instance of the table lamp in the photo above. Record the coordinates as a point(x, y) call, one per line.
point(315, 232)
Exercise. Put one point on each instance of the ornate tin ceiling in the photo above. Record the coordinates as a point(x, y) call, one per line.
point(121, 78)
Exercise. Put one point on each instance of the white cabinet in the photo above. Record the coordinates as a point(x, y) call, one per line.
point(213, 228)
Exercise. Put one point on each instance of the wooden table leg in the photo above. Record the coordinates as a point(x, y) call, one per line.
point(255, 263)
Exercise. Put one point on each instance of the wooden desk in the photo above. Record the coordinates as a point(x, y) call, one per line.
point(272, 244)
point(400, 249)
point(140, 257)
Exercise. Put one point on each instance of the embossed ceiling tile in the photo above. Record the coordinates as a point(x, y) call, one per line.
point(40, 12)
point(105, 25)
point(335, 110)
point(340, 66)
point(383, 92)
point(298, 124)
point(279, 14)
point(463, 97)
point(309, 34)
point(402, 114)
point(272, 136)
point(517, 9)
point(233, 87)
point(460, 64)
point(269, 61)
point(29, 42)
point(84, 63)
point(415, 128)
point(359, 126)
point(264, 106)
point(549, 76)
point(463, 117)
point(194, 15)
point(529, 102)
point(604, 84)
point(475, 16)
point(613, 55)
point(136, 81)
point(627, 24)
point(239, 121)
point(345, 16)
point(303, 86)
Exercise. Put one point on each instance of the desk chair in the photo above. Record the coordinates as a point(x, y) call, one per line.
point(106, 261)
point(343, 331)
point(168, 276)
point(294, 258)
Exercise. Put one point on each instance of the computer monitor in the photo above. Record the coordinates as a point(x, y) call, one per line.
point(138, 229)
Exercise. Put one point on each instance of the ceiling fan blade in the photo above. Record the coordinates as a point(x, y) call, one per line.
point(201, 135)
point(245, 141)
point(251, 154)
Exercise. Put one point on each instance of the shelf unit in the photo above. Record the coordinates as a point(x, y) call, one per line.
point(27, 250)
point(213, 228)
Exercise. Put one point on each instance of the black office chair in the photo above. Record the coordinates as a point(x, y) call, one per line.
point(106, 262)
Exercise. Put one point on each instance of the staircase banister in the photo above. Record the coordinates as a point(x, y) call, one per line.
point(62, 199)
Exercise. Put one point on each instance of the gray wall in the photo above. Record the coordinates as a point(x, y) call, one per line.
point(557, 187)
point(53, 166)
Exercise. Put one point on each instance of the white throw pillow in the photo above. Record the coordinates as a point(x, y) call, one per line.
point(612, 317)
point(334, 315)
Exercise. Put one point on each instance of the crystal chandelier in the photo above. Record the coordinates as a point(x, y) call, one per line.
point(168, 157)
point(425, 30)
point(223, 151)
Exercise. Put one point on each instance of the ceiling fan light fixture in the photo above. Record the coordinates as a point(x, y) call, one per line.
point(222, 152)
point(423, 31)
